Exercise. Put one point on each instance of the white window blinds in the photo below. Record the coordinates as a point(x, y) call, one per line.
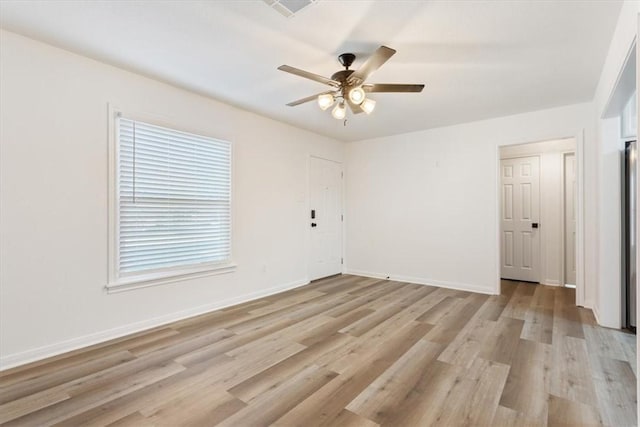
point(174, 198)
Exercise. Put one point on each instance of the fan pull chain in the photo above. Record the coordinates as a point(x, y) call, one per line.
point(345, 122)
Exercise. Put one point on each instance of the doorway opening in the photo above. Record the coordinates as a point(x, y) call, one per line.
point(539, 212)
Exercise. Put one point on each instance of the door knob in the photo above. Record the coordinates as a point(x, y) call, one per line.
point(534, 225)
point(313, 224)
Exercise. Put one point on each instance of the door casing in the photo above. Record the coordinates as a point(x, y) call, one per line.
point(580, 250)
point(565, 274)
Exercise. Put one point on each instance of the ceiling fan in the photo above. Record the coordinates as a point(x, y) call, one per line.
point(348, 86)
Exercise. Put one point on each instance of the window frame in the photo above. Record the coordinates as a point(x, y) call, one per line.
point(118, 282)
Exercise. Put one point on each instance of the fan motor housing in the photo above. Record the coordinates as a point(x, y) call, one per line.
point(342, 75)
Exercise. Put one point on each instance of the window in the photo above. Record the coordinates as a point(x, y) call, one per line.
point(173, 203)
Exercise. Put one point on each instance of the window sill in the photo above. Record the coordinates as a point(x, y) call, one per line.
point(130, 283)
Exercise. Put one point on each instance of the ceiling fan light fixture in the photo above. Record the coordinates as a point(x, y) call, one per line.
point(349, 86)
point(339, 112)
point(357, 95)
point(368, 105)
point(325, 101)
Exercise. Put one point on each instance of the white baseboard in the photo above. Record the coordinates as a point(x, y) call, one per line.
point(421, 281)
point(33, 355)
point(596, 314)
point(604, 323)
point(551, 282)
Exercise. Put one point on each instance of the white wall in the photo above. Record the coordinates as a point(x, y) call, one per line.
point(53, 206)
point(609, 146)
point(423, 206)
point(551, 154)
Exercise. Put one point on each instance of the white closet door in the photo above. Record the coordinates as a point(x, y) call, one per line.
point(520, 213)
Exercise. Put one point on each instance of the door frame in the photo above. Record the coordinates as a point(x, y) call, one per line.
point(563, 244)
point(307, 214)
point(580, 250)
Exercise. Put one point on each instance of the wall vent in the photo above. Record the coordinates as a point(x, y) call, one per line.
point(289, 8)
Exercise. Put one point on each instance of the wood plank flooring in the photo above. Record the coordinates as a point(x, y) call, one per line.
point(347, 351)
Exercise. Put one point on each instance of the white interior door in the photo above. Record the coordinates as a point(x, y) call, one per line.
point(570, 219)
point(325, 219)
point(520, 238)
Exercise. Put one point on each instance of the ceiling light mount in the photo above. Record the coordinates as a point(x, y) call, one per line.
point(346, 59)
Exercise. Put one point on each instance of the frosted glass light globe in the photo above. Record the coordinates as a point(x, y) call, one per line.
point(339, 112)
point(368, 105)
point(356, 95)
point(325, 101)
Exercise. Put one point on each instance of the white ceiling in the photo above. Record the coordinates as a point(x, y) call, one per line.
point(478, 59)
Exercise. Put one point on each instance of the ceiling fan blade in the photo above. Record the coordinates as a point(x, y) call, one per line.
point(392, 87)
point(355, 108)
point(308, 98)
point(308, 75)
point(374, 62)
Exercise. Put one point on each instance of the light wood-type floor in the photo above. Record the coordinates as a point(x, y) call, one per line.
point(347, 351)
